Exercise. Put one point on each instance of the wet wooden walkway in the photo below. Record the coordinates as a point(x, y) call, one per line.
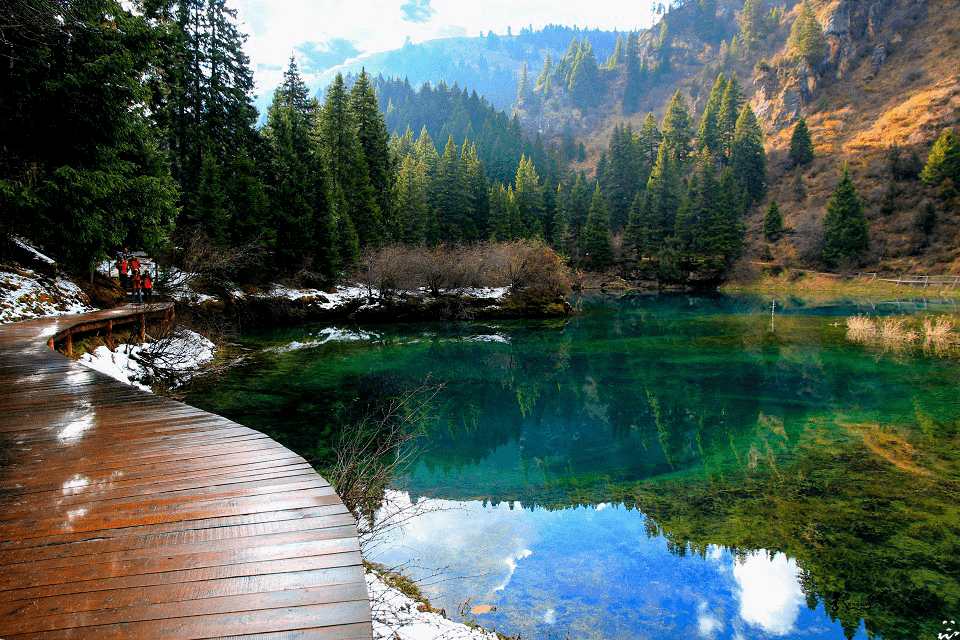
point(128, 515)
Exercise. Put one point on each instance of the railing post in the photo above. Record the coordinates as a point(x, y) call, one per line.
point(68, 344)
point(143, 327)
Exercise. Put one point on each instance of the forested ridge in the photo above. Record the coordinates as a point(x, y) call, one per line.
point(137, 129)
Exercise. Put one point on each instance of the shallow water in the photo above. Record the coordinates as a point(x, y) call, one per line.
point(653, 467)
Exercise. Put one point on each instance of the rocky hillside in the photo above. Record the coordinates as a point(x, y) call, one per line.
point(886, 86)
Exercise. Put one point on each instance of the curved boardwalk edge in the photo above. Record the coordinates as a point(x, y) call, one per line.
point(129, 515)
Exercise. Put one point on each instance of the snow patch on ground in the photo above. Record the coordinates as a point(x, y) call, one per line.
point(329, 334)
point(20, 242)
point(25, 295)
point(397, 616)
point(177, 358)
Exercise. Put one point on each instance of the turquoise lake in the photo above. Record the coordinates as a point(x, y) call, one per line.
point(650, 467)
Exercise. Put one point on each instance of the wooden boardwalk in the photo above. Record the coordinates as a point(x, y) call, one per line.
point(128, 515)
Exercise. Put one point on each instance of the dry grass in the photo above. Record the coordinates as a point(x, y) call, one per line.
point(938, 335)
point(899, 333)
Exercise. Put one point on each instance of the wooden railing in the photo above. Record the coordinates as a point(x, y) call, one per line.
point(914, 279)
point(163, 310)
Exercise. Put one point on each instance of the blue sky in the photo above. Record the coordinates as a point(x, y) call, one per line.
point(356, 27)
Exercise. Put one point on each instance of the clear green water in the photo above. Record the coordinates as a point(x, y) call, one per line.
point(653, 467)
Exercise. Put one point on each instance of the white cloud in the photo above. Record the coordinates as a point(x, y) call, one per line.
point(278, 29)
point(770, 592)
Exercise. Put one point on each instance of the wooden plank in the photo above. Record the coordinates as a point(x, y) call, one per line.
point(109, 615)
point(213, 626)
point(181, 592)
point(127, 515)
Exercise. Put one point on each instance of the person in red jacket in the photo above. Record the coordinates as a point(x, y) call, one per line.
point(122, 267)
point(147, 284)
point(136, 293)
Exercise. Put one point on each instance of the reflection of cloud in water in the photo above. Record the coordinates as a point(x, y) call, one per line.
point(465, 538)
point(511, 563)
point(770, 593)
point(707, 623)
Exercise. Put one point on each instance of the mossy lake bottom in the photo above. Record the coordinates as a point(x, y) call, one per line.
point(651, 467)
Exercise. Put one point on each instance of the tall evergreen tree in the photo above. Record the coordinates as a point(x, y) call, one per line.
point(747, 157)
point(633, 84)
point(451, 199)
point(525, 88)
point(291, 180)
point(806, 36)
point(648, 144)
point(677, 129)
point(374, 145)
point(528, 194)
point(845, 228)
point(478, 189)
point(412, 202)
point(585, 83)
point(80, 169)
point(596, 233)
point(730, 108)
point(664, 199)
point(623, 174)
point(346, 166)
point(708, 134)
point(801, 144)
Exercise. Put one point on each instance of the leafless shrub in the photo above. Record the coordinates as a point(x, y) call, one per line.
point(372, 452)
point(520, 265)
point(196, 260)
point(385, 270)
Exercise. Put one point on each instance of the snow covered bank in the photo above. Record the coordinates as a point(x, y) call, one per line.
point(396, 615)
point(24, 294)
point(173, 360)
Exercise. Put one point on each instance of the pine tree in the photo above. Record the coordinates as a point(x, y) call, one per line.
point(747, 157)
point(663, 191)
point(708, 134)
point(528, 194)
point(801, 144)
point(596, 233)
point(374, 145)
point(638, 226)
point(452, 219)
point(623, 173)
point(412, 202)
point(773, 222)
point(543, 80)
point(806, 36)
point(346, 166)
point(730, 108)
point(753, 21)
point(677, 129)
point(478, 190)
point(80, 170)
point(648, 143)
point(633, 85)
point(290, 174)
point(504, 215)
point(585, 84)
point(845, 225)
point(943, 163)
point(524, 89)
